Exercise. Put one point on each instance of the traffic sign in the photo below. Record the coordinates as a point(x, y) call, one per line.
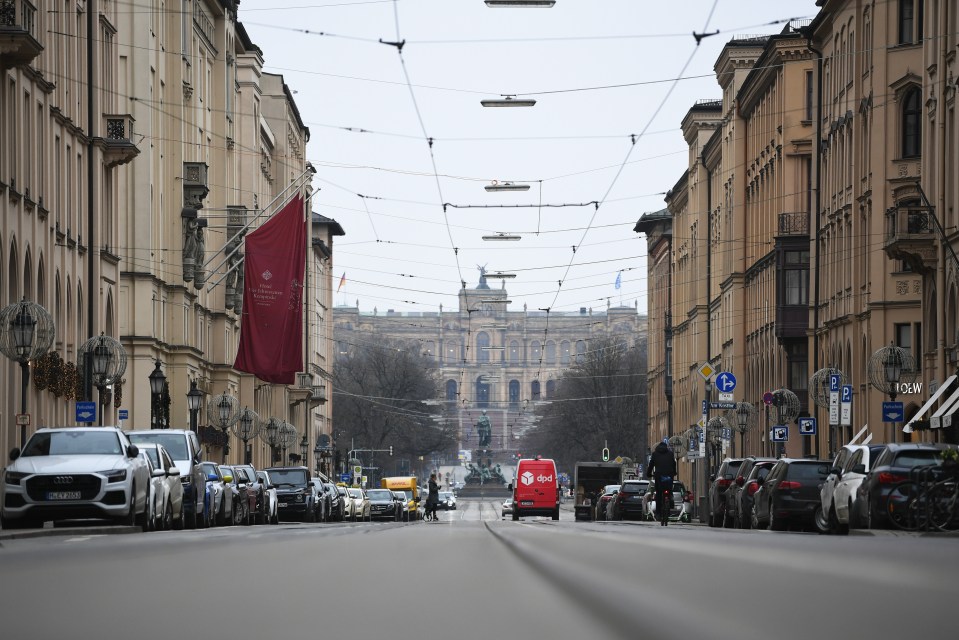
point(845, 406)
point(726, 382)
point(357, 470)
point(846, 393)
point(23, 419)
point(726, 397)
point(344, 477)
point(892, 411)
point(768, 398)
point(834, 381)
point(86, 411)
point(780, 433)
point(706, 371)
point(123, 414)
point(807, 426)
point(722, 405)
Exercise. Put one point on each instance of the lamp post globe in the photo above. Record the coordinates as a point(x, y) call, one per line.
point(194, 399)
point(157, 386)
point(26, 333)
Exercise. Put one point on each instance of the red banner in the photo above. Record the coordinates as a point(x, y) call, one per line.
point(271, 328)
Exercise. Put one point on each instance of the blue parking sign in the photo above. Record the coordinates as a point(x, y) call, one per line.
point(807, 426)
point(86, 411)
point(780, 433)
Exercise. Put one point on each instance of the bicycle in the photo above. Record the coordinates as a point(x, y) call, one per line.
point(928, 500)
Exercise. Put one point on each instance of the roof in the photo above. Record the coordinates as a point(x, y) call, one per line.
point(335, 228)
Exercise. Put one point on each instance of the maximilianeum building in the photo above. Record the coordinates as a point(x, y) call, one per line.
point(813, 233)
point(490, 358)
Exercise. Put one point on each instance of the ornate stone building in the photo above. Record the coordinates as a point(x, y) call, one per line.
point(490, 358)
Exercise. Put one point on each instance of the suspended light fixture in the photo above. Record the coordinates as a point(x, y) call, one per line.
point(506, 186)
point(501, 236)
point(531, 4)
point(500, 275)
point(508, 101)
point(494, 301)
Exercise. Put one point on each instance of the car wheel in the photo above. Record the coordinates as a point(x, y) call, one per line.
point(178, 522)
point(821, 520)
point(727, 520)
point(556, 514)
point(834, 525)
point(515, 514)
point(869, 519)
point(141, 520)
point(168, 517)
point(754, 520)
point(239, 514)
point(774, 524)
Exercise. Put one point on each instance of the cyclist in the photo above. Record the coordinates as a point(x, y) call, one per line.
point(662, 470)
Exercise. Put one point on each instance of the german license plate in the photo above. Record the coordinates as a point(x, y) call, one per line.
point(282, 504)
point(63, 495)
point(526, 503)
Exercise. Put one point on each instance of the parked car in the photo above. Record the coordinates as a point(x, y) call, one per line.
point(259, 491)
point(747, 494)
point(719, 483)
point(271, 508)
point(383, 505)
point(401, 505)
point(75, 472)
point(295, 492)
point(846, 491)
point(361, 504)
point(893, 465)
point(244, 499)
point(183, 445)
point(221, 495)
point(629, 500)
point(322, 512)
point(347, 502)
point(337, 506)
point(168, 509)
point(790, 495)
point(733, 512)
point(447, 500)
point(507, 508)
point(602, 504)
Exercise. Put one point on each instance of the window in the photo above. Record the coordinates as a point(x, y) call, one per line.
point(452, 351)
point(911, 124)
point(550, 388)
point(796, 277)
point(809, 95)
point(482, 393)
point(514, 352)
point(564, 352)
point(482, 347)
point(909, 337)
point(535, 351)
point(550, 352)
point(910, 21)
point(513, 394)
point(534, 389)
point(451, 390)
point(580, 351)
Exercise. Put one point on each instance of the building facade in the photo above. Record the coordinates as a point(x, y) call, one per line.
point(128, 215)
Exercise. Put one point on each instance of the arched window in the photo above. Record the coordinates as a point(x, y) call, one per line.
point(535, 352)
point(550, 388)
point(452, 351)
point(429, 349)
point(564, 352)
point(911, 124)
point(451, 390)
point(550, 352)
point(534, 389)
point(514, 352)
point(580, 351)
point(513, 394)
point(482, 347)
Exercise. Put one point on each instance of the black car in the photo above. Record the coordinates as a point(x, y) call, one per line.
point(337, 507)
point(893, 465)
point(295, 494)
point(747, 493)
point(789, 495)
point(383, 505)
point(629, 501)
point(733, 515)
point(720, 482)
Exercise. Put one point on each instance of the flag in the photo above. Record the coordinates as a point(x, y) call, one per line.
point(619, 279)
point(342, 282)
point(271, 328)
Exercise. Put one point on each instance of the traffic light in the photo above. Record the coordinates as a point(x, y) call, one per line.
point(391, 449)
point(605, 454)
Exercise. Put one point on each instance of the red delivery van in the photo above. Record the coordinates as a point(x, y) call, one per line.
point(536, 489)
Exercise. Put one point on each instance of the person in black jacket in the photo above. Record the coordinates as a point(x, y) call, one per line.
point(432, 498)
point(662, 470)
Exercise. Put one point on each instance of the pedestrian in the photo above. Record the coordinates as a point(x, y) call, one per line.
point(662, 470)
point(432, 498)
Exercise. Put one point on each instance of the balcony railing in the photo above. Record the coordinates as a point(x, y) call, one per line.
point(793, 224)
point(18, 38)
point(911, 236)
point(118, 145)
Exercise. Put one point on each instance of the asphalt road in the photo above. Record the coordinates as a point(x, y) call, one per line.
point(475, 575)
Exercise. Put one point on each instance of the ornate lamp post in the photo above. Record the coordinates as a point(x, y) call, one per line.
point(223, 411)
point(246, 428)
point(888, 367)
point(194, 398)
point(157, 387)
point(318, 457)
point(304, 450)
point(745, 417)
point(109, 362)
point(787, 410)
point(26, 333)
point(271, 436)
point(287, 435)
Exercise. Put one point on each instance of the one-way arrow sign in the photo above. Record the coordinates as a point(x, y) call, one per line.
point(892, 412)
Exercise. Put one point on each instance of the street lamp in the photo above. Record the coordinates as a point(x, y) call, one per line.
point(744, 414)
point(194, 399)
point(224, 411)
point(246, 428)
point(508, 101)
point(304, 449)
point(26, 333)
point(506, 186)
point(787, 409)
point(318, 456)
point(271, 436)
point(108, 362)
point(888, 367)
point(157, 387)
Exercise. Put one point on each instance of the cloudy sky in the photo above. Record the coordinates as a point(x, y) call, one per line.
point(403, 148)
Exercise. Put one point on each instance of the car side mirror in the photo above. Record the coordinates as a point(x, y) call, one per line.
point(859, 468)
point(712, 476)
point(212, 477)
point(158, 473)
point(836, 471)
point(510, 486)
point(14, 453)
point(132, 451)
point(198, 457)
point(173, 472)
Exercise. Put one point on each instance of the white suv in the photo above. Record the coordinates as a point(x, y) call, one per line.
point(69, 473)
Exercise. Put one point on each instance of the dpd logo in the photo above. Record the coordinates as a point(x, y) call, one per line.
point(526, 478)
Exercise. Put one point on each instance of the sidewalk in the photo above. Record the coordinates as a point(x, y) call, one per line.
point(46, 532)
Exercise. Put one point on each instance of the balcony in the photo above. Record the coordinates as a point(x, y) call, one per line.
point(794, 223)
point(118, 147)
point(911, 236)
point(18, 41)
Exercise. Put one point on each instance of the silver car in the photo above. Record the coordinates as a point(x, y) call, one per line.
point(166, 489)
point(75, 473)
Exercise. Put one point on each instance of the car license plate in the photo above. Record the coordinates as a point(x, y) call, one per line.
point(526, 503)
point(282, 504)
point(63, 495)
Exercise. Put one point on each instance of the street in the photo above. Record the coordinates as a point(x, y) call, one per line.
point(476, 575)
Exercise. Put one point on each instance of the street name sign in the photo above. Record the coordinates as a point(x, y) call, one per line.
point(892, 412)
point(86, 411)
point(722, 405)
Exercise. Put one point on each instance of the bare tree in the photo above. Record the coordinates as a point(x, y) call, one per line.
point(599, 401)
point(380, 391)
